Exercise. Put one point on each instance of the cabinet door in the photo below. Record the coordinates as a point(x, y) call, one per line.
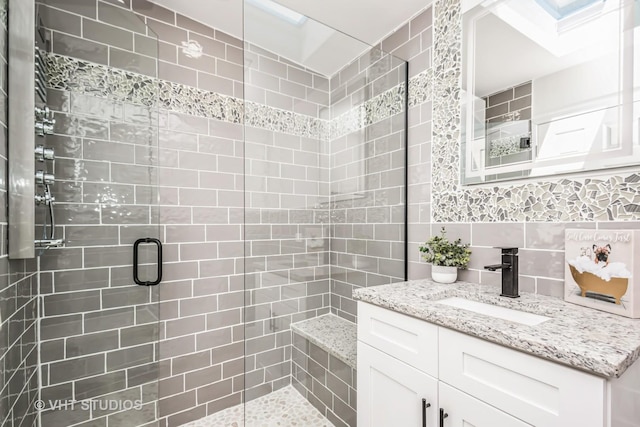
point(535, 390)
point(463, 410)
point(390, 392)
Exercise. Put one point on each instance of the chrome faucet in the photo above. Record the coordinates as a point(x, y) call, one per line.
point(509, 269)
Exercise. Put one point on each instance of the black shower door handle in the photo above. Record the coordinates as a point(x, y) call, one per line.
point(135, 261)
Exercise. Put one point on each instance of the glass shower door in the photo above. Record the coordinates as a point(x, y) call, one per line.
point(99, 311)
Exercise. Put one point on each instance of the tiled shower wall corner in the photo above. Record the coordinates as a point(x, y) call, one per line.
point(486, 216)
point(367, 183)
point(18, 295)
point(366, 166)
point(286, 217)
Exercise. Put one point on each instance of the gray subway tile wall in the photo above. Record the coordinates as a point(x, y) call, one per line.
point(287, 247)
point(367, 185)
point(419, 145)
point(91, 303)
point(286, 220)
point(322, 217)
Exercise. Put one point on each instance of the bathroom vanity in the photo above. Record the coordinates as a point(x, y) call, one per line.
point(458, 355)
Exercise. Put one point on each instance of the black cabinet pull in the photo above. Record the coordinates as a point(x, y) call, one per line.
point(135, 261)
point(425, 405)
point(443, 415)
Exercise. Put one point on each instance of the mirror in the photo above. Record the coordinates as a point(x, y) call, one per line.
point(548, 88)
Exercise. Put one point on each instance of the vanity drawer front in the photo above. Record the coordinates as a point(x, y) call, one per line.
point(411, 340)
point(537, 391)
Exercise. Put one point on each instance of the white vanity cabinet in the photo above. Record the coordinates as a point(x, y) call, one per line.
point(395, 391)
point(402, 360)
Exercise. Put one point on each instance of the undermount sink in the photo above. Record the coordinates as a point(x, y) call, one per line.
point(495, 311)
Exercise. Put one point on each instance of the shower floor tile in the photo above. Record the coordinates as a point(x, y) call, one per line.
point(283, 408)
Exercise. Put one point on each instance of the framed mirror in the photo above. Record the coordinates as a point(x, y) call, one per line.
point(548, 88)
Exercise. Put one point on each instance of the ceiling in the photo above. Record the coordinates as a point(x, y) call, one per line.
point(299, 39)
point(367, 20)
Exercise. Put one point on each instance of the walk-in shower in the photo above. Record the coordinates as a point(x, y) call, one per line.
point(261, 176)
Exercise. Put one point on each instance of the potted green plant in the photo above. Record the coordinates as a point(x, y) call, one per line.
point(445, 257)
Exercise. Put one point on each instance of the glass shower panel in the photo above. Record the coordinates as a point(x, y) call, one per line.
point(368, 221)
point(368, 177)
point(325, 185)
point(99, 329)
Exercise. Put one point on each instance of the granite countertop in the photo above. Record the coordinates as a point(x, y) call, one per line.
point(594, 341)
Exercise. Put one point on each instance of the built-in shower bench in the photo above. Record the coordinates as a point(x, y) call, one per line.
point(332, 334)
point(324, 366)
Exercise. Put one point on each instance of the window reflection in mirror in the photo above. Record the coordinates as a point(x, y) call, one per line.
point(548, 88)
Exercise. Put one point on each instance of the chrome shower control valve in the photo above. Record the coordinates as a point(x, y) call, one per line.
point(43, 178)
point(45, 128)
point(44, 121)
point(43, 153)
point(45, 199)
point(44, 113)
point(49, 243)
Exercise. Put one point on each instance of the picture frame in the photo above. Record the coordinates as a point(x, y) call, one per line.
point(599, 270)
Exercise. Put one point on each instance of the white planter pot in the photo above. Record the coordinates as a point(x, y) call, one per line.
point(443, 274)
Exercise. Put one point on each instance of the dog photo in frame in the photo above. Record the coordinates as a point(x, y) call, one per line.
point(599, 270)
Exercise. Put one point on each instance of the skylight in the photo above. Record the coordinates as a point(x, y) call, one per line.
point(560, 9)
point(279, 11)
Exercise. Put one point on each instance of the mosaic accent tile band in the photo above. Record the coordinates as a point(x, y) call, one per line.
point(567, 200)
point(71, 74)
point(381, 107)
point(274, 119)
point(421, 88)
point(85, 77)
point(446, 100)
point(119, 85)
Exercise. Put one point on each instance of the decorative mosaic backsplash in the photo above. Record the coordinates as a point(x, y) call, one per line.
point(81, 76)
point(86, 77)
point(274, 119)
point(421, 88)
point(616, 198)
point(381, 107)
